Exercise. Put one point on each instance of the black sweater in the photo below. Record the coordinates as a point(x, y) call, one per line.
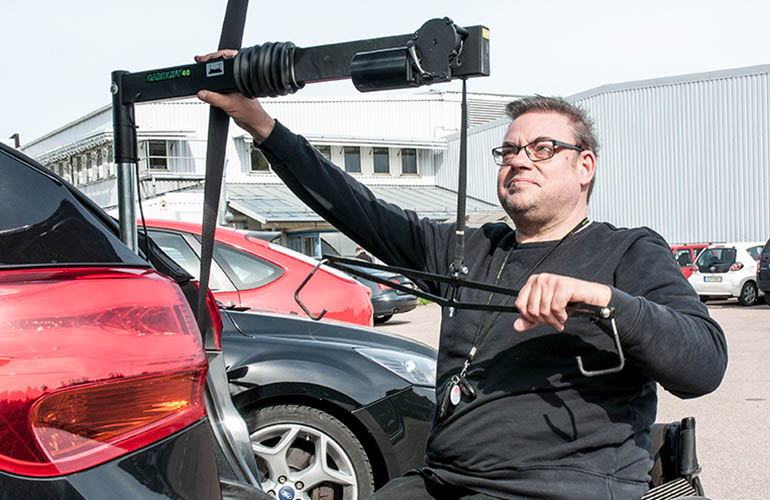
point(535, 413)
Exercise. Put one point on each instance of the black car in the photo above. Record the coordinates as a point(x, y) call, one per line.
point(763, 272)
point(388, 301)
point(105, 377)
point(103, 370)
point(334, 411)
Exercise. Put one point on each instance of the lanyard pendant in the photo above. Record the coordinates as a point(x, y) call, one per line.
point(456, 388)
point(451, 396)
point(454, 392)
point(466, 388)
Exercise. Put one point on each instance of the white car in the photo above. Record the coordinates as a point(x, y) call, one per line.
point(727, 270)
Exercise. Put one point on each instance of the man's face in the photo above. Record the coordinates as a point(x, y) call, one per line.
point(549, 189)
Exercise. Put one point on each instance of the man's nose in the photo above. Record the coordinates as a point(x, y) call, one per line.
point(520, 160)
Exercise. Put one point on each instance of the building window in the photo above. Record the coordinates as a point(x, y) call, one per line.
point(309, 245)
point(66, 172)
point(258, 161)
point(408, 161)
point(157, 155)
point(304, 243)
point(101, 163)
point(90, 167)
point(108, 157)
point(326, 151)
point(352, 159)
point(381, 161)
point(80, 170)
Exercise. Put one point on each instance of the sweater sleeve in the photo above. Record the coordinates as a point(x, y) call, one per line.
point(396, 236)
point(664, 328)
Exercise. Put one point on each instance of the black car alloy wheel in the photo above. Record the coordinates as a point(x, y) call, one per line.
point(305, 453)
point(749, 294)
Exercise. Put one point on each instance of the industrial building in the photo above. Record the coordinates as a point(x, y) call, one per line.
point(688, 156)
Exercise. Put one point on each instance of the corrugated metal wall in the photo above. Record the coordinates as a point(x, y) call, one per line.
point(482, 170)
point(687, 156)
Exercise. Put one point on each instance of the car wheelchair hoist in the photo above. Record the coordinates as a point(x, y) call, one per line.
point(439, 51)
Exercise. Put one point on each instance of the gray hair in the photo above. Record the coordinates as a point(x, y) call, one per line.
point(582, 125)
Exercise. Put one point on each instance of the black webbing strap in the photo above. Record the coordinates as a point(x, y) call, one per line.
point(219, 122)
point(458, 265)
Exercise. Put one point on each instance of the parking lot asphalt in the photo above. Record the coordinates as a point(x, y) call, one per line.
point(732, 423)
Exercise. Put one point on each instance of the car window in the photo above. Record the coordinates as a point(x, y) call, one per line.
point(52, 227)
point(246, 270)
point(755, 251)
point(182, 253)
point(309, 260)
point(716, 260)
point(683, 257)
point(327, 249)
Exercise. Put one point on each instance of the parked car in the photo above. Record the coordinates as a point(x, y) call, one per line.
point(763, 272)
point(333, 410)
point(248, 271)
point(102, 367)
point(686, 254)
point(728, 270)
point(386, 300)
point(103, 372)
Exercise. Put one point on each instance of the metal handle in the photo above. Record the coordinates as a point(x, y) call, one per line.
point(302, 285)
point(606, 371)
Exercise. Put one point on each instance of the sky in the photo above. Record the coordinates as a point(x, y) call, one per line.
point(58, 55)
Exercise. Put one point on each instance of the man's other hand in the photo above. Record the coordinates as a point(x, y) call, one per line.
point(544, 299)
point(247, 113)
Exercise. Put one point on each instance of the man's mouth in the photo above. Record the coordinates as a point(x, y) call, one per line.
point(520, 181)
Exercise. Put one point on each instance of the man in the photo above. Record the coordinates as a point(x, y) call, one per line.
point(517, 419)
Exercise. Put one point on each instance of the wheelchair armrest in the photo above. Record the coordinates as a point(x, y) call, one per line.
point(675, 456)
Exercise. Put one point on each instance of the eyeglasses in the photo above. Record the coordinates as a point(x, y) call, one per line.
point(539, 150)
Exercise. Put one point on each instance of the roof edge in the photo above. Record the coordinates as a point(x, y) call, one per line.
point(66, 126)
point(671, 80)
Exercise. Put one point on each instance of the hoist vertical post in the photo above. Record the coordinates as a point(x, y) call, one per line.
point(458, 269)
point(458, 266)
point(126, 158)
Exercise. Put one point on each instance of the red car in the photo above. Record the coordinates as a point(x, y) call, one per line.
point(249, 272)
point(685, 256)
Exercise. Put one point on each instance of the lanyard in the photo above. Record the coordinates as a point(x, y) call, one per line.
point(458, 384)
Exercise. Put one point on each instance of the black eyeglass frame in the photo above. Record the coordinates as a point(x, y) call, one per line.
point(497, 153)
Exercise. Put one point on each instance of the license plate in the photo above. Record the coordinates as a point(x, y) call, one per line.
point(712, 279)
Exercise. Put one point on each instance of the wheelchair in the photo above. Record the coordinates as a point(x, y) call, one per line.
point(675, 470)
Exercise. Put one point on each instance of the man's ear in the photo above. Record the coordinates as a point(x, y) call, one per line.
point(586, 167)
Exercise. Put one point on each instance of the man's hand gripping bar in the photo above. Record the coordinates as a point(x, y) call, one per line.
point(590, 311)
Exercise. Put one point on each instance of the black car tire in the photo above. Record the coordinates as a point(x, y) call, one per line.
point(271, 430)
point(767, 297)
point(382, 319)
point(749, 293)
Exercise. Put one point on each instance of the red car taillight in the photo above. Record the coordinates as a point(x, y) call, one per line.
point(736, 267)
point(383, 286)
point(94, 364)
point(216, 316)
